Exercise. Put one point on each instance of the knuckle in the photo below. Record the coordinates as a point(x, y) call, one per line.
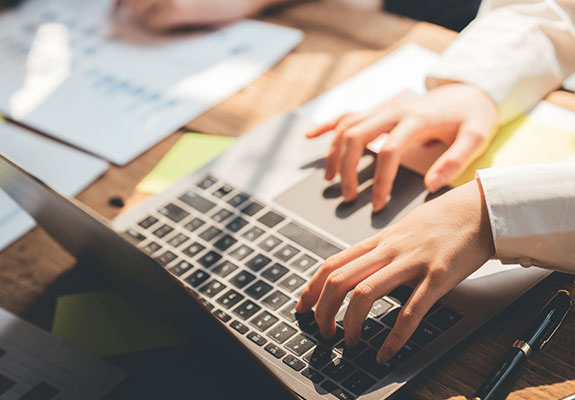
point(335, 280)
point(390, 148)
point(329, 264)
point(363, 293)
point(451, 162)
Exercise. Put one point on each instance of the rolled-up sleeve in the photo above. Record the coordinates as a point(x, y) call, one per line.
point(532, 213)
point(516, 51)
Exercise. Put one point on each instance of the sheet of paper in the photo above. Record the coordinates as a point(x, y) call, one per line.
point(404, 70)
point(37, 365)
point(69, 70)
point(191, 152)
point(105, 324)
point(66, 169)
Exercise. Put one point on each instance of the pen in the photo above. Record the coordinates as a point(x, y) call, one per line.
point(533, 338)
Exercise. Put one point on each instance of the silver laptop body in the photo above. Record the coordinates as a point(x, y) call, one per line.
point(243, 234)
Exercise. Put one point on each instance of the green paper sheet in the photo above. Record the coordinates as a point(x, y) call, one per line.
point(523, 141)
point(106, 324)
point(191, 152)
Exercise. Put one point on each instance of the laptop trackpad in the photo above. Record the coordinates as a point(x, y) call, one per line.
point(320, 203)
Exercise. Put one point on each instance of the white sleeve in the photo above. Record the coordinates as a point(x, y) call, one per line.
point(516, 51)
point(532, 213)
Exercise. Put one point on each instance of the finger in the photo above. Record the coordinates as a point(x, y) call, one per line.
point(312, 290)
point(139, 8)
point(341, 281)
point(367, 292)
point(332, 162)
point(399, 139)
point(328, 126)
point(468, 145)
point(353, 147)
point(421, 300)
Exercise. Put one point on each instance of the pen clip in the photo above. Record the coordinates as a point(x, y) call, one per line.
point(548, 338)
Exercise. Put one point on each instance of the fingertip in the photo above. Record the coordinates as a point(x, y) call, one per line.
point(435, 181)
point(380, 203)
point(384, 355)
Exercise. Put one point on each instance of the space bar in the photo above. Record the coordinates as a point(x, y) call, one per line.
point(310, 241)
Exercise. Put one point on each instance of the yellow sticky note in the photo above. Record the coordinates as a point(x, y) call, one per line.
point(523, 141)
point(106, 324)
point(191, 152)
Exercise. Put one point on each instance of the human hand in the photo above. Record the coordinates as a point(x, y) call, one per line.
point(433, 248)
point(167, 14)
point(458, 114)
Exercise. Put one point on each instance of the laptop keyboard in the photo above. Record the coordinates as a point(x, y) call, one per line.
point(248, 264)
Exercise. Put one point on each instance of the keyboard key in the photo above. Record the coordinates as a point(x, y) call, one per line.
point(213, 288)
point(288, 312)
point(445, 318)
point(269, 243)
point(166, 258)
point(252, 208)
point(230, 298)
point(197, 278)
point(338, 369)
point(237, 224)
point(193, 249)
point(358, 383)
point(306, 322)
point(163, 230)
point(275, 300)
point(300, 344)
point(274, 272)
point(238, 199)
point(151, 247)
point(225, 242)
point(148, 222)
point(224, 269)
point(178, 240)
point(293, 362)
point(210, 233)
point(401, 294)
point(312, 375)
point(336, 391)
point(424, 334)
point(258, 262)
point(258, 289)
point(320, 356)
point(206, 304)
point(241, 252)
point(271, 219)
point(433, 309)
point(257, 338)
point(338, 337)
point(194, 224)
point(281, 332)
point(350, 353)
point(390, 318)
point(308, 240)
point(369, 329)
point(180, 268)
point(276, 351)
point(253, 233)
point(134, 235)
point(286, 252)
point(264, 320)
point(380, 307)
point(210, 258)
point(197, 201)
point(222, 215)
point(242, 279)
point(303, 263)
point(173, 212)
point(223, 191)
point(206, 182)
point(222, 315)
point(238, 326)
point(292, 282)
point(368, 362)
point(405, 353)
point(378, 340)
point(247, 309)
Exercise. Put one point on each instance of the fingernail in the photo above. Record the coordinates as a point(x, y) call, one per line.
point(436, 182)
point(383, 356)
point(379, 205)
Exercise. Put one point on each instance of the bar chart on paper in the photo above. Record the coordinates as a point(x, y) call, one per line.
point(70, 70)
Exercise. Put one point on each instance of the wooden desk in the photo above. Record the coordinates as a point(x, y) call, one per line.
point(339, 42)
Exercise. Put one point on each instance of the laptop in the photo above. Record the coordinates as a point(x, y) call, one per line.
point(239, 238)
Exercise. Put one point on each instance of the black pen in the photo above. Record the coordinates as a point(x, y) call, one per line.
point(534, 338)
